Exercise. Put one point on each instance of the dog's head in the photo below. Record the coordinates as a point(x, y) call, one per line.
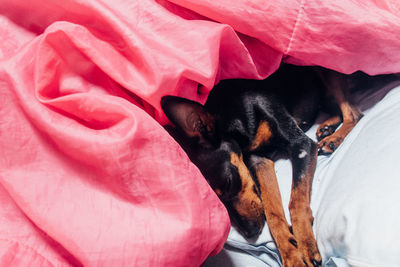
point(220, 160)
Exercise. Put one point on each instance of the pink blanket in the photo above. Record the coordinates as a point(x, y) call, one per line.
point(88, 175)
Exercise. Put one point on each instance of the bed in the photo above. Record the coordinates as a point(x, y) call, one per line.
point(88, 175)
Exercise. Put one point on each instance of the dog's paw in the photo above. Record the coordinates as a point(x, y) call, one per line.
point(293, 257)
point(325, 131)
point(329, 144)
point(306, 243)
point(311, 255)
point(328, 127)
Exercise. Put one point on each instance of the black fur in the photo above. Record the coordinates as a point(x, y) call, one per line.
point(288, 100)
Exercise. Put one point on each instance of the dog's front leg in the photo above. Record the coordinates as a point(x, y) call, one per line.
point(286, 242)
point(303, 157)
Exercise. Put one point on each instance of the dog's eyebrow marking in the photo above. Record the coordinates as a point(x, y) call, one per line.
point(302, 154)
point(262, 136)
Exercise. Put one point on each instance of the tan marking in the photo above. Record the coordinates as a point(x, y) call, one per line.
point(249, 204)
point(351, 116)
point(262, 136)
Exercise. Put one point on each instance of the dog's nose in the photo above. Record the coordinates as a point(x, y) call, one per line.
point(253, 231)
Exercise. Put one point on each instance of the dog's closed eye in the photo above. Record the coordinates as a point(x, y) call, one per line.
point(230, 182)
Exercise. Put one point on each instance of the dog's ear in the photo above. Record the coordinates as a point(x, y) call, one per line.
point(188, 116)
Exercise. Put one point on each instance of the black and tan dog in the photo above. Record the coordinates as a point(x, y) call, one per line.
point(244, 126)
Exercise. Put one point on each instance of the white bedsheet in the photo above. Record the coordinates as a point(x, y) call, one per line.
point(355, 197)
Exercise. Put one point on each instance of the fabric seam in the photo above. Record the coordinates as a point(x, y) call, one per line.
point(298, 18)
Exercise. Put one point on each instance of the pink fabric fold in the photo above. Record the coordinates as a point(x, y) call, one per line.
point(88, 176)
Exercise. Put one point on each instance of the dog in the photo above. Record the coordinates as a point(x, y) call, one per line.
point(246, 125)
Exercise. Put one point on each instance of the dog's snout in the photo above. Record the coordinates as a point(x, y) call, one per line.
point(252, 230)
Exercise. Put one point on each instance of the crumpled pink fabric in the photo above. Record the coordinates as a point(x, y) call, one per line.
point(88, 176)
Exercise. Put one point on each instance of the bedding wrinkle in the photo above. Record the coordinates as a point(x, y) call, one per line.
point(297, 21)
